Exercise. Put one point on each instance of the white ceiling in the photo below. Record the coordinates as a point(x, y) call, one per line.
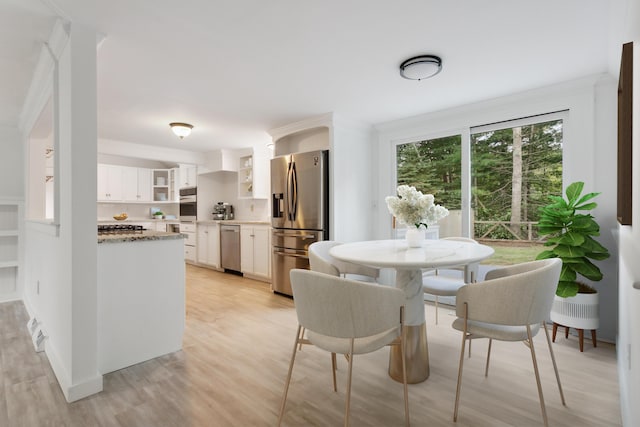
point(235, 69)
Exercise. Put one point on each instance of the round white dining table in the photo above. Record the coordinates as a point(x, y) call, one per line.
point(408, 263)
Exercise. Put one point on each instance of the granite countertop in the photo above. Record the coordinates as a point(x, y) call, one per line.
point(145, 235)
point(233, 222)
point(137, 220)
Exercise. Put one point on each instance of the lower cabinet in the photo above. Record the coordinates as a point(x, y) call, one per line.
point(209, 244)
point(190, 242)
point(255, 248)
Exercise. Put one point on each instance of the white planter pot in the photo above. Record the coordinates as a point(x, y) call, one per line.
point(579, 312)
point(415, 237)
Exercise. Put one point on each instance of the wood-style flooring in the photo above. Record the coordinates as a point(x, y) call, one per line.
point(232, 369)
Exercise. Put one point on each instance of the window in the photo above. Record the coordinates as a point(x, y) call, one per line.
point(492, 178)
point(515, 167)
point(433, 166)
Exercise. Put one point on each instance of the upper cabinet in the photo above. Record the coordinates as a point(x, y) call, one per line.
point(136, 184)
point(109, 183)
point(245, 177)
point(126, 184)
point(164, 185)
point(253, 176)
point(187, 176)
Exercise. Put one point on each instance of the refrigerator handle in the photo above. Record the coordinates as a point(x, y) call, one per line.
point(289, 207)
point(294, 180)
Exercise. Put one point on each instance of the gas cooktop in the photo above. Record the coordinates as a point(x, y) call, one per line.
point(120, 229)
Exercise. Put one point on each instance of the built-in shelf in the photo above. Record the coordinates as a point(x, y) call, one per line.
point(245, 177)
point(8, 264)
point(10, 213)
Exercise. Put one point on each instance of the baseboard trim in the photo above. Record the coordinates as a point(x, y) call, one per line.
point(72, 392)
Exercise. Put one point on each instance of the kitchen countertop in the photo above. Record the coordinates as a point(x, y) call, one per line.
point(138, 237)
point(137, 220)
point(232, 222)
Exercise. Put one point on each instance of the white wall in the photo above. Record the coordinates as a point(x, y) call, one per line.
point(61, 259)
point(629, 299)
point(588, 155)
point(628, 345)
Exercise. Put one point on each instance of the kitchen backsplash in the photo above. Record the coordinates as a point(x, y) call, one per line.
point(106, 211)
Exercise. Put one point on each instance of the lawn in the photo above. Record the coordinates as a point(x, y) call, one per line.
point(511, 252)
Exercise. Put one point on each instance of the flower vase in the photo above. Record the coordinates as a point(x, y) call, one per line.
point(415, 236)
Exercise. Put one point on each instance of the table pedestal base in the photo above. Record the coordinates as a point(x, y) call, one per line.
point(416, 357)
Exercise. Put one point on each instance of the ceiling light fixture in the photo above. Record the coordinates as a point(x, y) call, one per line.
point(421, 67)
point(181, 129)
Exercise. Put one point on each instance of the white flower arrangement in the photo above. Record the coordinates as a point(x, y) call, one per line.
point(413, 207)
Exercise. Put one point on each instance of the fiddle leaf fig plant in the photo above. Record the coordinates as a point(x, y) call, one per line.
point(571, 238)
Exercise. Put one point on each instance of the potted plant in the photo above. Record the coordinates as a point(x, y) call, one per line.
point(571, 238)
point(416, 210)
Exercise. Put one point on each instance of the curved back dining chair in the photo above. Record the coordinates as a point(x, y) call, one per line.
point(442, 285)
point(510, 305)
point(348, 317)
point(321, 260)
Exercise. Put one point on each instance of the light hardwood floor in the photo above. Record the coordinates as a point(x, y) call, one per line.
point(231, 372)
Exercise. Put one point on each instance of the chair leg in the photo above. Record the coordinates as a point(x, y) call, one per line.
point(535, 369)
point(486, 368)
point(286, 385)
point(436, 309)
point(459, 384)
point(333, 368)
point(555, 366)
point(348, 400)
point(301, 336)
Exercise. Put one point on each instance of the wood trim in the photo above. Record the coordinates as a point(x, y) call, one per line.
point(625, 135)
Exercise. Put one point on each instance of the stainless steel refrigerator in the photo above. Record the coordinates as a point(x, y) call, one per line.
point(300, 211)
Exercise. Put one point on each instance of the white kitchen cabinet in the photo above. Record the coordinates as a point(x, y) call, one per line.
point(136, 185)
point(10, 213)
point(187, 176)
point(109, 183)
point(253, 176)
point(164, 185)
point(255, 251)
point(190, 242)
point(209, 244)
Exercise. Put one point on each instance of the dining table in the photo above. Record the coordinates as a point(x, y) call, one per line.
point(409, 263)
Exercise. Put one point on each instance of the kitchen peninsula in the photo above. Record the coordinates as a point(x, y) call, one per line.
point(141, 297)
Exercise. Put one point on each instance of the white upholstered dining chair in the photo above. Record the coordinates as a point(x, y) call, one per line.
point(510, 305)
point(348, 317)
point(321, 260)
point(443, 285)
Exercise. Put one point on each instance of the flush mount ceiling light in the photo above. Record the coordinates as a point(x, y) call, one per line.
point(421, 67)
point(181, 129)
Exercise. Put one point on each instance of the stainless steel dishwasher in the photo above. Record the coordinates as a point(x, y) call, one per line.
point(230, 247)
